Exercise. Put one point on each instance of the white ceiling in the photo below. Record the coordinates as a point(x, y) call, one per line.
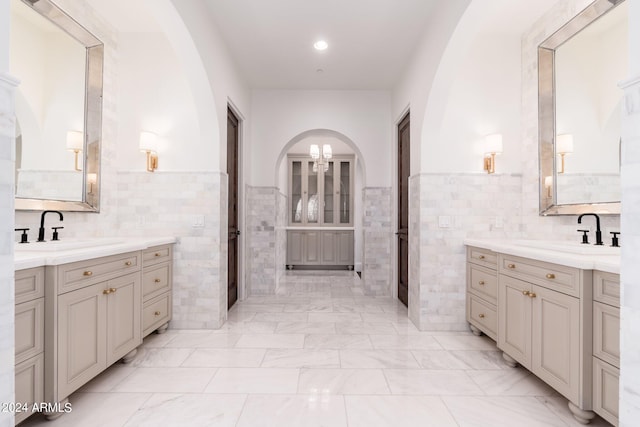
point(371, 42)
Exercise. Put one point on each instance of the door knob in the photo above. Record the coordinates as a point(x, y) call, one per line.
point(237, 232)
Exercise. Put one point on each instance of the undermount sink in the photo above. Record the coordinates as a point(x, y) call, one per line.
point(570, 247)
point(65, 245)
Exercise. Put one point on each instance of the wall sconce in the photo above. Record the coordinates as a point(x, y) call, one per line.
point(75, 143)
point(548, 184)
point(564, 146)
point(148, 144)
point(320, 157)
point(493, 147)
point(92, 179)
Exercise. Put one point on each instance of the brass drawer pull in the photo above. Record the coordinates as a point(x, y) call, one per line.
point(511, 265)
point(481, 283)
point(157, 313)
point(525, 293)
point(551, 276)
point(532, 295)
point(128, 263)
point(157, 254)
point(87, 273)
point(481, 315)
point(481, 257)
point(106, 291)
point(157, 280)
point(112, 289)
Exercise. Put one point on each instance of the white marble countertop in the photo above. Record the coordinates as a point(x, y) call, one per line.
point(572, 254)
point(88, 248)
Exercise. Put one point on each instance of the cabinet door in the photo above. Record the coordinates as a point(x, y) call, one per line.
point(345, 201)
point(124, 305)
point(295, 192)
point(556, 340)
point(344, 248)
point(295, 247)
point(330, 201)
point(514, 319)
point(329, 245)
point(81, 337)
point(311, 241)
point(313, 196)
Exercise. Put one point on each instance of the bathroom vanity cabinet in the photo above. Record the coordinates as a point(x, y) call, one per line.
point(320, 247)
point(606, 345)
point(157, 280)
point(29, 339)
point(560, 321)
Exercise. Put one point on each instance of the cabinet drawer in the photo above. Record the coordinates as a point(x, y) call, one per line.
point(29, 384)
point(606, 333)
point(483, 257)
point(156, 313)
point(156, 280)
point(606, 379)
point(83, 273)
point(29, 284)
point(156, 255)
point(606, 288)
point(29, 329)
point(483, 316)
point(553, 276)
point(484, 282)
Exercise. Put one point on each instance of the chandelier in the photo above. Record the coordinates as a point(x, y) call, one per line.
point(320, 157)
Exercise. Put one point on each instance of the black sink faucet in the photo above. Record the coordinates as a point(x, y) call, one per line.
point(598, 232)
point(41, 230)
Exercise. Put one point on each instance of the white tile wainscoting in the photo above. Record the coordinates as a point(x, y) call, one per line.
point(319, 352)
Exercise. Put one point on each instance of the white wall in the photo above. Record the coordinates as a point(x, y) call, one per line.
point(362, 116)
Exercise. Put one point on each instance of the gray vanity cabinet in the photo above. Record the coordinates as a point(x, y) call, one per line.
point(157, 283)
point(320, 247)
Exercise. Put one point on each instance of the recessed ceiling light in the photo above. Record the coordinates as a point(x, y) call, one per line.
point(321, 45)
point(319, 71)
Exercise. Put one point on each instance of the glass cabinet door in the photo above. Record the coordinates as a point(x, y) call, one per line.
point(296, 192)
point(345, 193)
point(312, 194)
point(328, 194)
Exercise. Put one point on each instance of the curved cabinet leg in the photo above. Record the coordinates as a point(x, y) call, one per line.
point(510, 360)
point(50, 416)
point(162, 329)
point(129, 356)
point(474, 330)
point(581, 415)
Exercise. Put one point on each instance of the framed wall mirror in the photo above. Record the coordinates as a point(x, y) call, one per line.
point(58, 108)
point(580, 111)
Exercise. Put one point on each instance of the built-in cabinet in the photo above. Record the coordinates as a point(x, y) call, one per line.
point(606, 345)
point(320, 212)
point(74, 320)
point(29, 340)
point(561, 323)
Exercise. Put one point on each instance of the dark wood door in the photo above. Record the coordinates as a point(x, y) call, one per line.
point(403, 210)
point(234, 232)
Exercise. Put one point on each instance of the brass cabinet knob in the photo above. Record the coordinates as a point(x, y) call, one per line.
point(157, 254)
point(511, 265)
point(157, 280)
point(481, 257)
point(481, 282)
point(112, 289)
point(87, 273)
point(532, 295)
point(525, 293)
point(551, 276)
point(128, 263)
point(106, 291)
point(481, 315)
point(157, 313)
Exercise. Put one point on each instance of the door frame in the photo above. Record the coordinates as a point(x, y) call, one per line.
point(241, 200)
point(395, 196)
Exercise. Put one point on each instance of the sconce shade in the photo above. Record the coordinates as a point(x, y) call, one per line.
point(564, 143)
point(493, 144)
point(548, 181)
point(314, 151)
point(326, 151)
point(75, 140)
point(148, 141)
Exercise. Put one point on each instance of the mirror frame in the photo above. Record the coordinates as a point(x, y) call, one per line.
point(92, 113)
point(547, 114)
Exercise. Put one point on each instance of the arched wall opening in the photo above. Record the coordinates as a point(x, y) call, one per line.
point(341, 144)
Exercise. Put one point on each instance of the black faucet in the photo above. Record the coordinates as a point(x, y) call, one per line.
point(41, 230)
point(598, 232)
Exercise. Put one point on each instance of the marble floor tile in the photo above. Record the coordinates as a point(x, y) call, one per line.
point(385, 317)
point(254, 380)
point(159, 340)
point(271, 341)
point(281, 317)
point(388, 359)
point(426, 382)
point(203, 339)
point(558, 405)
point(365, 328)
point(335, 317)
point(405, 342)
point(314, 307)
point(303, 358)
point(293, 411)
point(160, 357)
point(336, 341)
point(193, 410)
point(224, 358)
point(94, 409)
point(405, 411)
point(238, 328)
point(169, 380)
point(256, 307)
point(107, 380)
point(460, 359)
point(501, 411)
point(342, 381)
point(306, 328)
point(465, 342)
point(510, 382)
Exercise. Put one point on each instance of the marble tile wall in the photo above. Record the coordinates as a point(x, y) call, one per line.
point(377, 241)
point(169, 204)
point(281, 236)
point(630, 270)
point(474, 206)
point(262, 250)
point(7, 178)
